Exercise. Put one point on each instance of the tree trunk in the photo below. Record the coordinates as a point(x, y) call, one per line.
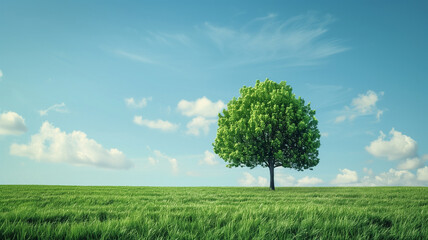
point(272, 181)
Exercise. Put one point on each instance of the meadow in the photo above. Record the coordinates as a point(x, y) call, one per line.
point(78, 212)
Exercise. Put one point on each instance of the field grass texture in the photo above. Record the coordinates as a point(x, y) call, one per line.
point(75, 212)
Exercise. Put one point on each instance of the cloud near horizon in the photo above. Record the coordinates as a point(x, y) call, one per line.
point(309, 181)
point(392, 177)
point(347, 177)
point(75, 148)
point(281, 180)
point(422, 174)
point(250, 181)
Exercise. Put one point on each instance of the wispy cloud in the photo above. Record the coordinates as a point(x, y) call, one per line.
point(135, 57)
point(297, 41)
point(56, 107)
point(168, 38)
point(1, 74)
point(159, 157)
point(326, 96)
point(209, 158)
point(300, 40)
point(193, 174)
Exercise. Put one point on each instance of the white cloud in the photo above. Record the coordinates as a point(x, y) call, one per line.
point(135, 57)
point(364, 104)
point(410, 163)
point(284, 179)
point(131, 102)
point(174, 165)
point(340, 119)
point(249, 180)
point(391, 178)
point(205, 111)
point(153, 161)
point(422, 174)
point(369, 171)
point(161, 157)
point(156, 124)
point(399, 146)
point(56, 107)
point(12, 123)
point(209, 158)
point(324, 134)
point(1, 74)
point(198, 125)
point(308, 181)
point(53, 145)
point(168, 38)
point(378, 114)
point(193, 174)
point(347, 177)
point(202, 107)
point(261, 181)
point(297, 41)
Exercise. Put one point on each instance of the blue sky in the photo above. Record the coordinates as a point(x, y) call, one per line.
point(127, 93)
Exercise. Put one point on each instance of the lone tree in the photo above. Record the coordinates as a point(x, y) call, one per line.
point(268, 126)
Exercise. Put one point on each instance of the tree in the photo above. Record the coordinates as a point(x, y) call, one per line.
point(268, 126)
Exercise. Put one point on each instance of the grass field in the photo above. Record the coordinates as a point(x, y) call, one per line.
point(67, 212)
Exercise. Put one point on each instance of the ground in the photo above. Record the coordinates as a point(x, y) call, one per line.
point(74, 212)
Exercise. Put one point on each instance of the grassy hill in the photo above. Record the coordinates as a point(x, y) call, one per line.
point(69, 212)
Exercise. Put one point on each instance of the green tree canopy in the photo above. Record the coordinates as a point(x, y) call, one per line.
point(268, 126)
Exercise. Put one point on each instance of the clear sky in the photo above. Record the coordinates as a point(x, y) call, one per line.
point(128, 92)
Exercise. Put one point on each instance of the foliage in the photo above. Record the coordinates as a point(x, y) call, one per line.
point(268, 123)
point(268, 126)
point(69, 212)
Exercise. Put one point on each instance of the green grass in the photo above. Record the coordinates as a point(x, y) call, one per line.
point(66, 212)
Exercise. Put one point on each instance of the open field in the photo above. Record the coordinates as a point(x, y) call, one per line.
point(58, 212)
